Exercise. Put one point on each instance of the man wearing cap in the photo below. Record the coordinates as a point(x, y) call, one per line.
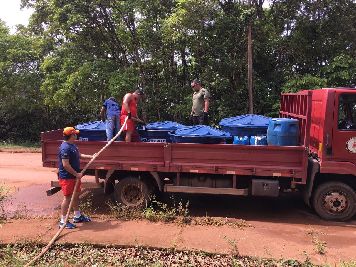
point(69, 170)
point(110, 111)
point(200, 107)
point(129, 110)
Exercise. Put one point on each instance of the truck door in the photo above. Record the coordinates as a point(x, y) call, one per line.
point(344, 133)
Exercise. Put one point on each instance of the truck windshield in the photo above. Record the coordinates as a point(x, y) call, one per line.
point(347, 112)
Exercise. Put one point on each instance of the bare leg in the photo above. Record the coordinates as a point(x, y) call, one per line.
point(76, 202)
point(65, 205)
point(128, 136)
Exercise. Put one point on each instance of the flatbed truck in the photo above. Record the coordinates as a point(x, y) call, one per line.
point(322, 166)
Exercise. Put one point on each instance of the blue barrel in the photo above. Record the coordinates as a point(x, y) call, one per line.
point(259, 140)
point(283, 132)
point(92, 131)
point(245, 125)
point(199, 134)
point(158, 131)
point(241, 140)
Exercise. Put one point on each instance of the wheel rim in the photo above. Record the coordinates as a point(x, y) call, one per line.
point(335, 202)
point(132, 195)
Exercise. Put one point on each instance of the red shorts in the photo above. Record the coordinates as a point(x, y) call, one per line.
point(67, 186)
point(130, 125)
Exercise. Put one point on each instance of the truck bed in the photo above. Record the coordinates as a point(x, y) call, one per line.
point(190, 158)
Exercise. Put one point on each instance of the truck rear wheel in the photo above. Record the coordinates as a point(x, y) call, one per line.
point(335, 201)
point(132, 192)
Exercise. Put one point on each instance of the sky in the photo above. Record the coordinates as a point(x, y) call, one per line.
point(11, 13)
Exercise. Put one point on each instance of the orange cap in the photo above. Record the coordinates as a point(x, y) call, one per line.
point(70, 130)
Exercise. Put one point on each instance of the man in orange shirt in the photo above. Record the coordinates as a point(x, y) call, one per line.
point(129, 109)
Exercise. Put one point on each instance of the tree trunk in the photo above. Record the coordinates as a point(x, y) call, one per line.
point(249, 68)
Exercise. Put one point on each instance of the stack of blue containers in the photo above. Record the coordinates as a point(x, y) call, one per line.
point(199, 134)
point(249, 129)
point(159, 131)
point(92, 131)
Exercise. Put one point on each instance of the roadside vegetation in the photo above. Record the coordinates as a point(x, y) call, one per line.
point(89, 255)
point(3, 196)
point(22, 146)
point(177, 212)
point(319, 245)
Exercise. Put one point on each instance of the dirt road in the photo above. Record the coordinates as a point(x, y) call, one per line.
point(281, 228)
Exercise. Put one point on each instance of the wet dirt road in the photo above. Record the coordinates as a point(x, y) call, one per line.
point(281, 228)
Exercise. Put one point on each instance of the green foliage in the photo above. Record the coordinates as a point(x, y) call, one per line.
point(305, 82)
point(161, 212)
point(341, 71)
point(74, 54)
point(155, 212)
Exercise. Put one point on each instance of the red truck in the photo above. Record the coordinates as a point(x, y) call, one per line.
point(322, 167)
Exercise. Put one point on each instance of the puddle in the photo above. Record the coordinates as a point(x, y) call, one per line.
point(32, 201)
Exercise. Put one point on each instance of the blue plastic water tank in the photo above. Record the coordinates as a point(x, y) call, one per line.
point(159, 131)
point(283, 132)
point(199, 134)
point(259, 140)
point(92, 131)
point(241, 140)
point(249, 124)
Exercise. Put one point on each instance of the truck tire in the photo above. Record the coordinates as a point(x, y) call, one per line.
point(132, 192)
point(335, 201)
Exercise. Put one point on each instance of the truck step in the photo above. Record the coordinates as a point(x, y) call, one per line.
point(206, 190)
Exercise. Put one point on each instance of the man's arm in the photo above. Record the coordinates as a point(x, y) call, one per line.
point(69, 169)
point(206, 100)
point(84, 156)
point(206, 105)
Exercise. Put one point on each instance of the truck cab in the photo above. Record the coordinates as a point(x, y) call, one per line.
point(329, 119)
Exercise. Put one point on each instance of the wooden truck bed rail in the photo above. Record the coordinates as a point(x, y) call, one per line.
point(191, 158)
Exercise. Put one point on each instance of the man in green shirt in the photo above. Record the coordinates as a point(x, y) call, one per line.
point(200, 105)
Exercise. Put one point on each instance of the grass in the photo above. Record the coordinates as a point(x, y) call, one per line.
point(95, 255)
point(156, 212)
point(348, 264)
point(178, 212)
point(216, 221)
point(4, 191)
point(18, 147)
point(319, 245)
point(122, 212)
point(233, 246)
point(86, 205)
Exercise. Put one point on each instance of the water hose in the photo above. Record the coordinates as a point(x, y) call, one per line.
point(45, 249)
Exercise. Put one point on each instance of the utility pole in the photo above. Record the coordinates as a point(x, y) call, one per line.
point(249, 64)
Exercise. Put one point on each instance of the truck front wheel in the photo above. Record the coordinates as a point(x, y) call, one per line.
point(132, 192)
point(335, 201)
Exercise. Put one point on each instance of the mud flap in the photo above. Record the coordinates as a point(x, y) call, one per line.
point(109, 183)
point(52, 191)
point(313, 169)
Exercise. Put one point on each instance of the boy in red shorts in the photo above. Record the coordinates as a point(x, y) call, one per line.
point(129, 109)
point(69, 170)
